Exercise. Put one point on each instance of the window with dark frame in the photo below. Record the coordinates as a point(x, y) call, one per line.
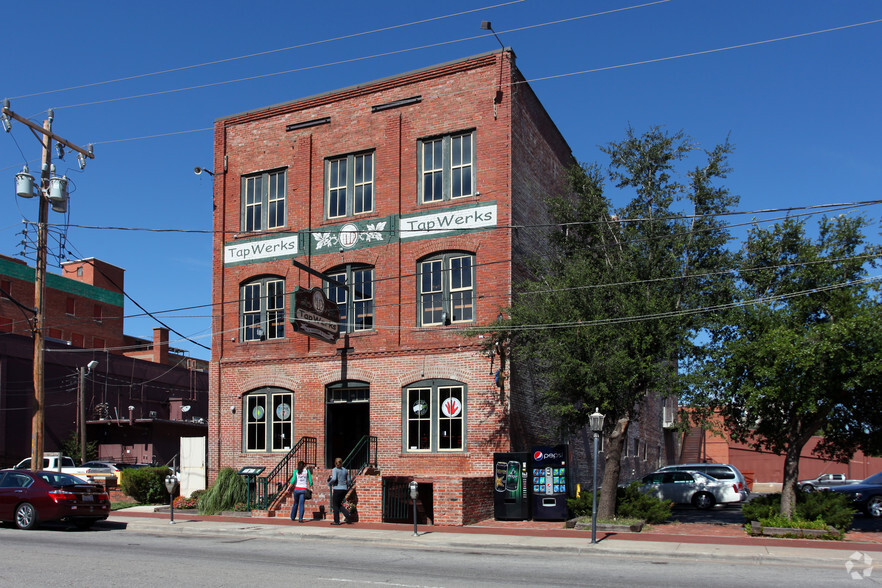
point(447, 289)
point(355, 302)
point(263, 201)
point(447, 167)
point(349, 185)
point(268, 420)
point(263, 309)
point(434, 417)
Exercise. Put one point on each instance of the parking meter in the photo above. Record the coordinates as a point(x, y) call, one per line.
point(171, 482)
point(413, 496)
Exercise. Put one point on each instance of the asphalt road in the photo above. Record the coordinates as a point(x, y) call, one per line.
point(110, 555)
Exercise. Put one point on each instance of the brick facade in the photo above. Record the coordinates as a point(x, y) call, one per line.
point(519, 158)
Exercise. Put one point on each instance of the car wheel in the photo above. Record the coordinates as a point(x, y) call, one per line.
point(26, 516)
point(83, 524)
point(874, 507)
point(703, 500)
point(808, 488)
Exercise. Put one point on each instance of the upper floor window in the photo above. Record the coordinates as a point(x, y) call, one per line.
point(268, 420)
point(349, 185)
point(263, 309)
point(70, 305)
point(5, 288)
point(263, 201)
point(447, 166)
point(356, 301)
point(447, 289)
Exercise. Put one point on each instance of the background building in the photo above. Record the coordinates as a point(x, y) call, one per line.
point(424, 195)
point(134, 397)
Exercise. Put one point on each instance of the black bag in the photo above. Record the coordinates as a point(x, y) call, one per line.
point(308, 495)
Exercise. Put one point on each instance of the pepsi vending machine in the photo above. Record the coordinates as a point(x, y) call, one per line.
point(511, 498)
point(548, 479)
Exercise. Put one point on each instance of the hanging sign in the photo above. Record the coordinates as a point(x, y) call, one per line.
point(314, 315)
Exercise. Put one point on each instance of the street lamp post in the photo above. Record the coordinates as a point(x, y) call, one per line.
point(596, 424)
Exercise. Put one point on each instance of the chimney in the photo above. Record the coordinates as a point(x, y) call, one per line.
point(160, 345)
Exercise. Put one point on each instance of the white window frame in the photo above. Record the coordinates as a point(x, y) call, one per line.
point(355, 300)
point(444, 287)
point(269, 432)
point(348, 182)
point(432, 431)
point(262, 307)
point(444, 174)
point(264, 197)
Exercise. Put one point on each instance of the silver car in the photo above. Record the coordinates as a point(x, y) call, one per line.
point(721, 471)
point(690, 487)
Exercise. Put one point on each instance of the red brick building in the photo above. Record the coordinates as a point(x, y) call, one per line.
point(409, 191)
point(133, 398)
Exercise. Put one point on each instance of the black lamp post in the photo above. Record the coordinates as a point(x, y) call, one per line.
point(596, 424)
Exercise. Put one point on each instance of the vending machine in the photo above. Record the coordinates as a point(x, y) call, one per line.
point(549, 482)
point(511, 498)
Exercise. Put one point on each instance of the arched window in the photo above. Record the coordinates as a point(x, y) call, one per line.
point(356, 301)
point(434, 416)
point(446, 289)
point(268, 420)
point(263, 309)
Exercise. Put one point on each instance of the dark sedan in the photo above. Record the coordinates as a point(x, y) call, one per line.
point(29, 498)
point(867, 495)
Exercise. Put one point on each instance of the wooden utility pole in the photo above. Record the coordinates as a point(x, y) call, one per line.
point(46, 136)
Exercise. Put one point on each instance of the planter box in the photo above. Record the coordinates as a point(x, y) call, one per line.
point(757, 529)
point(606, 527)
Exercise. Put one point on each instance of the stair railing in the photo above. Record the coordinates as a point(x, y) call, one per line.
point(270, 486)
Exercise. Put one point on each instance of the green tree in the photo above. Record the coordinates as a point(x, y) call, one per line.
point(588, 324)
point(802, 353)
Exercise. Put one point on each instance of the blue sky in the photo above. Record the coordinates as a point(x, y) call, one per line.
point(803, 112)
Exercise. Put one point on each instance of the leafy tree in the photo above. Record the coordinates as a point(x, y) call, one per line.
point(71, 447)
point(588, 324)
point(802, 354)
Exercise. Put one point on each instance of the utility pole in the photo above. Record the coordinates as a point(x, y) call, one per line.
point(45, 135)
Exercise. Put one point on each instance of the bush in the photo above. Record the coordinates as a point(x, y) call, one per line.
point(830, 508)
point(146, 485)
point(634, 504)
point(182, 502)
point(228, 489)
point(630, 504)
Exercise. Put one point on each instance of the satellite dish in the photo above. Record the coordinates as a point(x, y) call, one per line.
point(185, 408)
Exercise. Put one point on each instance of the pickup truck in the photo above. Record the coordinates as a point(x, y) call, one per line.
point(825, 481)
point(62, 463)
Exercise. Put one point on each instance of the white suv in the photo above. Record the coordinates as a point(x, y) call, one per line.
point(720, 471)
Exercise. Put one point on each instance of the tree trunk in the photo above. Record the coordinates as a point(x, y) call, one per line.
point(606, 505)
point(791, 477)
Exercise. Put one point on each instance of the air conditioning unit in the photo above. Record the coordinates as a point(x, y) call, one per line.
point(668, 417)
point(152, 414)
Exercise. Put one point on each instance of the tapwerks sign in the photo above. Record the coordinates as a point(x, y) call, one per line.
point(315, 315)
point(360, 234)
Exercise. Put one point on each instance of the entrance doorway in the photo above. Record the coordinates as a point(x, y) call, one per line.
point(348, 418)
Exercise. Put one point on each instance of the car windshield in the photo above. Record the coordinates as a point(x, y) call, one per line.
point(59, 480)
point(874, 479)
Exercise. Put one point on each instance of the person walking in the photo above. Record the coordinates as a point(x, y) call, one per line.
point(302, 482)
point(339, 483)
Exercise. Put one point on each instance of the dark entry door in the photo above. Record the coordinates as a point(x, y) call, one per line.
point(348, 421)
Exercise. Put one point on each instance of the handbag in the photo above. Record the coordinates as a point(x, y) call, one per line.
point(308, 494)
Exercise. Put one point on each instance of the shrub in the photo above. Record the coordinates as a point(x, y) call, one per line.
point(228, 489)
point(630, 503)
point(182, 502)
point(146, 485)
point(829, 508)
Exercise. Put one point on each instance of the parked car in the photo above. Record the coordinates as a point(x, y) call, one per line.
point(867, 495)
point(57, 463)
point(111, 470)
point(721, 471)
point(29, 498)
point(825, 481)
point(690, 487)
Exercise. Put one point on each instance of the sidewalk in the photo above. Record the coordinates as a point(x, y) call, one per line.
point(496, 536)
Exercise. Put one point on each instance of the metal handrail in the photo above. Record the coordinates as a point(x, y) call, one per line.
point(362, 456)
point(305, 451)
